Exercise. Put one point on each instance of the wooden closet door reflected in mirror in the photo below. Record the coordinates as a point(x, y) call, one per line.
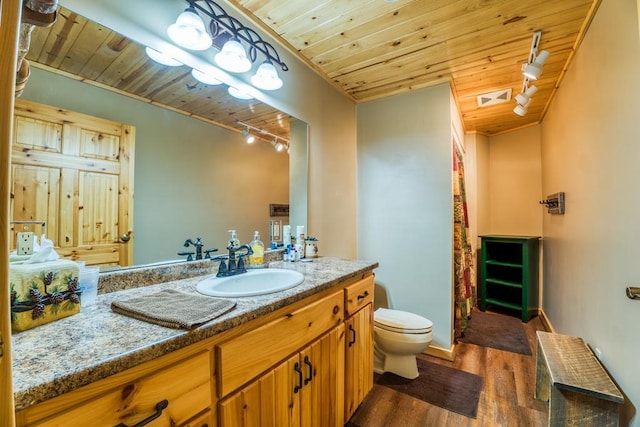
point(75, 173)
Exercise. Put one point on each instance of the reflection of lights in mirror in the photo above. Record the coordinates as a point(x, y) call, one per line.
point(278, 142)
point(162, 58)
point(238, 93)
point(248, 136)
point(190, 31)
point(206, 78)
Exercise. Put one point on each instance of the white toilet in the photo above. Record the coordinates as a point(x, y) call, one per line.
point(398, 336)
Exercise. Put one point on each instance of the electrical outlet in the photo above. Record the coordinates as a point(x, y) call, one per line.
point(25, 243)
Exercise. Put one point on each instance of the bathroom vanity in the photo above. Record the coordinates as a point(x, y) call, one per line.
point(303, 356)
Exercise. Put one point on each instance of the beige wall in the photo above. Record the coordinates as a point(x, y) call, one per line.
point(405, 206)
point(476, 167)
point(515, 183)
point(590, 150)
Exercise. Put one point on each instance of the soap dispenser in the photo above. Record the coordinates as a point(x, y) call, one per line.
point(233, 240)
point(256, 259)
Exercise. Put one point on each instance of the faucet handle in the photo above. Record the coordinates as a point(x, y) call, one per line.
point(207, 252)
point(188, 254)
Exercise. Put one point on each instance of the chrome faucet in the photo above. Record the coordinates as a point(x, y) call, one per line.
point(235, 263)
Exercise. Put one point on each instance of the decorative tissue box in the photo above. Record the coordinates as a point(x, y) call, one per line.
point(43, 292)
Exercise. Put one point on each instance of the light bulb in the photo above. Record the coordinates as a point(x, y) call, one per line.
point(266, 77)
point(233, 57)
point(189, 31)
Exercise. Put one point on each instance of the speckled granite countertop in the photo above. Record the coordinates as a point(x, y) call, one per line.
point(61, 356)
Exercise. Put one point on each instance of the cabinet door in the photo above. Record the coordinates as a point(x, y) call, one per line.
point(74, 173)
point(271, 401)
point(169, 397)
point(359, 359)
point(322, 399)
point(305, 390)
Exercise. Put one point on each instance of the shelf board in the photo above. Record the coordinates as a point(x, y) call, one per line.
point(504, 304)
point(504, 264)
point(504, 283)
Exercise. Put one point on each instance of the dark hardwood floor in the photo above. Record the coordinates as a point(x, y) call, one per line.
point(506, 398)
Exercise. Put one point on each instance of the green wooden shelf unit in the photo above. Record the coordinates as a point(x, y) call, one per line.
point(509, 273)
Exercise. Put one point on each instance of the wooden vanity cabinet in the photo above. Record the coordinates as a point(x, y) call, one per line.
point(149, 393)
point(286, 368)
point(358, 343)
point(306, 385)
point(304, 390)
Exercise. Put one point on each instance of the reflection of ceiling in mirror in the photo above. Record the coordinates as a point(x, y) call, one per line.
point(81, 49)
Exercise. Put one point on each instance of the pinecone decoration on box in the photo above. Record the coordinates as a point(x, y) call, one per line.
point(38, 311)
point(74, 298)
point(56, 298)
point(35, 295)
point(72, 284)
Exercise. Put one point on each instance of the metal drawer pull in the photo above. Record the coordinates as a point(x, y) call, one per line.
point(353, 341)
point(160, 406)
point(363, 296)
point(308, 363)
point(633, 293)
point(296, 368)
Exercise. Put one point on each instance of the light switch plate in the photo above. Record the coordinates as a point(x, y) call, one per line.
point(25, 243)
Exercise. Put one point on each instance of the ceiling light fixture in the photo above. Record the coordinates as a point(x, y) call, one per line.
point(278, 142)
point(531, 71)
point(189, 31)
point(533, 68)
point(525, 97)
point(247, 136)
point(240, 44)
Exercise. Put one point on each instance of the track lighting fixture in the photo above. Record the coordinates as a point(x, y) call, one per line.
point(248, 136)
point(531, 71)
point(534, 69)
point(277, 142)
point(525, 97)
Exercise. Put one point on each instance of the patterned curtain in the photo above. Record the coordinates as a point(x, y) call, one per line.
point(462, 252)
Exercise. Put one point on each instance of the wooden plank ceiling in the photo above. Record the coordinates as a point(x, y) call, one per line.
point(369, 49)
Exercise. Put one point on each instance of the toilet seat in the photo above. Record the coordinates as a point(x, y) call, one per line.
point(401, 322)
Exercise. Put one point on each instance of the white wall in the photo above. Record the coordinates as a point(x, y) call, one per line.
point(590, 150)
point(191, 179)
point(405, 210)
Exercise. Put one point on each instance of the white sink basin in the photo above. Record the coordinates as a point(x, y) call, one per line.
point(253, 282)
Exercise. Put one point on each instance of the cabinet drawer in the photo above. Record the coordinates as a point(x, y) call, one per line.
point(185, 386)
point(358, 295)
point(245, 357)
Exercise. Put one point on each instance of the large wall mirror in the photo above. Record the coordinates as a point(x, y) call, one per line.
point(195, 176)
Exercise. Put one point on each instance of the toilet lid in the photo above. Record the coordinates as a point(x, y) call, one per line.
point(401, 321)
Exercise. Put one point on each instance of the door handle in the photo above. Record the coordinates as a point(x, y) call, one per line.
point(160, 406)
point(308, 363)
point(126, 237)
point(296, 368)
point(353, 331)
